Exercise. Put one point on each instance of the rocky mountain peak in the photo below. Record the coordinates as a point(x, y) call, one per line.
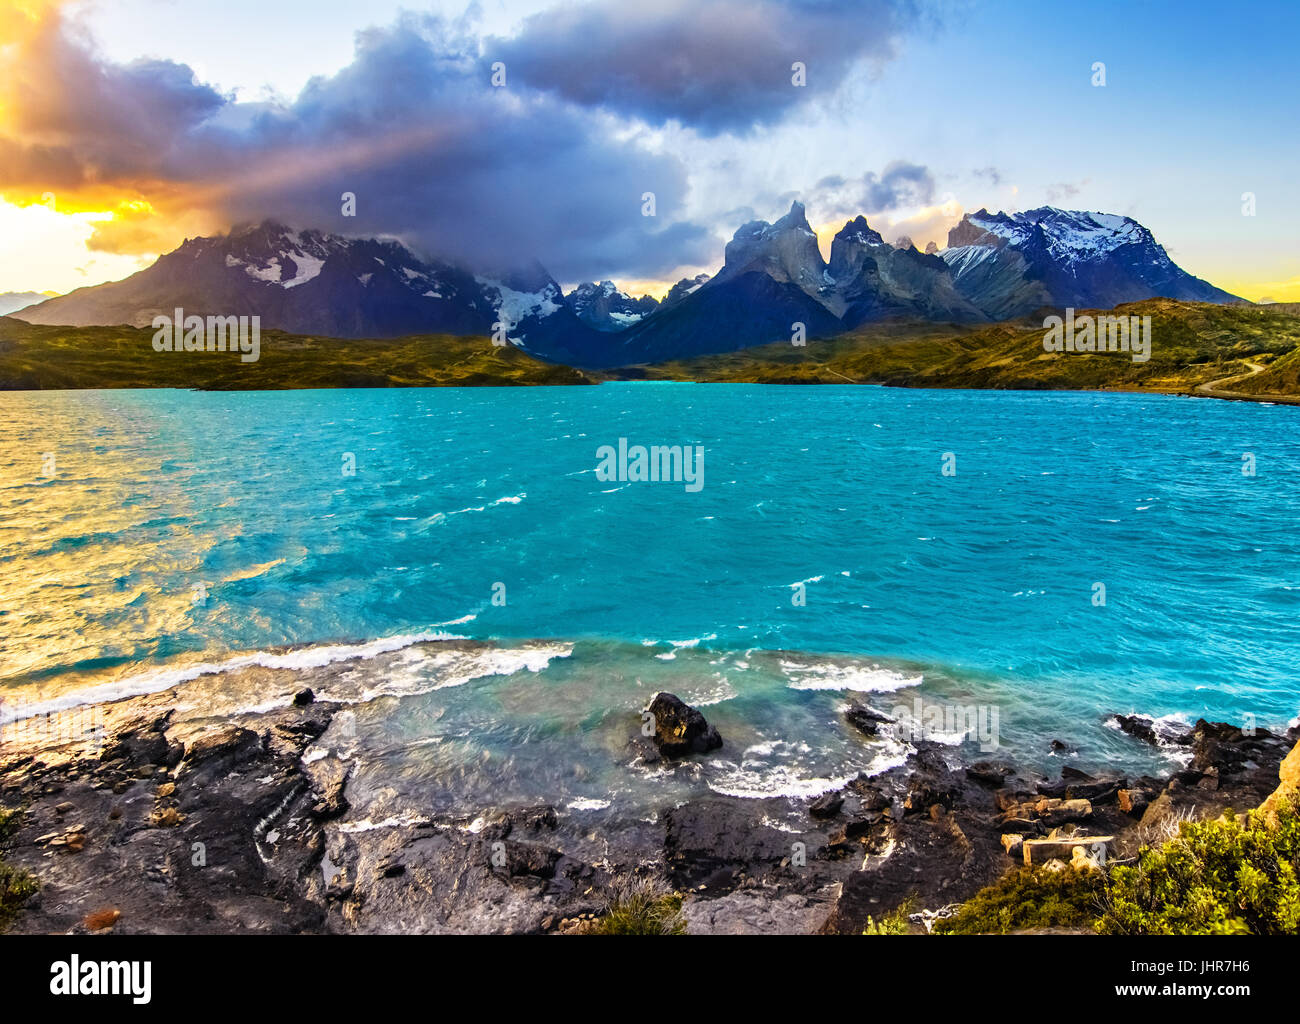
point(786, 251)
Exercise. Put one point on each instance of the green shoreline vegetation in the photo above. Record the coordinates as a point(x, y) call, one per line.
point(1240, 352)
point(1193, 346)
point(16, 885)
point(1232, 875)
point(54, 358)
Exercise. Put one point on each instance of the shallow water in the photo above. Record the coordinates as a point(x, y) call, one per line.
point(216, 535)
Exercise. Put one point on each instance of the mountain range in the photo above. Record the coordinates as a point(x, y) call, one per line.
point(997, 266)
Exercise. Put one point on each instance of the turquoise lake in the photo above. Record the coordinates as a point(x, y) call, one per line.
point(149, 538)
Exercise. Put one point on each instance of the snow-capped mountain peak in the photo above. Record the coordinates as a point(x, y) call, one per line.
point(1012, 263)
point(605, 307)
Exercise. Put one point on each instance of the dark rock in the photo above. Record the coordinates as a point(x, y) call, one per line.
point(303, 697)
point(1072, 774)
point(864, 719)
point(712, 835)
point(525, 858)
point(1140, 728)
point(142, 744)
point(1133, 802)
point(1100, 791)
point(986, 773)
point(1229, 749)
point(862, 795)
point(225, 748)
point(679, 728)
point(826, 806)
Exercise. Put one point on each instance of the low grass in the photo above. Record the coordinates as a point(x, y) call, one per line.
point(641, 906)
point(38, 357)
point(16, 885)
point(1191, 344)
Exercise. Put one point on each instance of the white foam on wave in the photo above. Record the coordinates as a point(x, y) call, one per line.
point(394, 821)
point(587, 804)
point(423, 672)
point(167, 678)
point(775, 768)
point(858, 678)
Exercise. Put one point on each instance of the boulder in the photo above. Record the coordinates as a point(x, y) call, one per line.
point(864, 719)
point(1098, 791)
point(1038, 851)
point(986, 773)
point(1226, 747)
point(1081, 859)
point(1133, 801)
point(1137, 726)
point(826, 806)
point(680, 729)
point(1060, 812)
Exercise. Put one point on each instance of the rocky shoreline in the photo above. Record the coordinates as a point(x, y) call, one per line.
point(169, 824)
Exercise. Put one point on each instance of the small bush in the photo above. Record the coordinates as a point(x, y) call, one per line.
point(641, 907)
point(16, 885)
point(1030, 897)
point(893, 923)
point(1228, 876)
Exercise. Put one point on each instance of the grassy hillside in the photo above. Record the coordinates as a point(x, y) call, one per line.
point(1193, 345)
point(36, 357)
point(1196, 348)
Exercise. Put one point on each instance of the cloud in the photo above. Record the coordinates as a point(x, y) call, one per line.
point(900, 184)
point(715, 66)
point(1064, 191)
point(433, 152)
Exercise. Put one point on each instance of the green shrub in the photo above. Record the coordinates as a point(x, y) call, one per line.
point(1030, 897)
point(16, 885)
point(1228, 876)
point(641, 907)
point(893, 923)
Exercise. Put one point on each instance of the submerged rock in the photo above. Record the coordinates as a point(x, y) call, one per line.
point(679, 729)
point(864, 719)
point(1139, 727)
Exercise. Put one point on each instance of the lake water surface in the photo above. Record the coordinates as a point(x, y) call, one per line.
point(148, 538)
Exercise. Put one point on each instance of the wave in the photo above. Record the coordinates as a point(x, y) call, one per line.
point(855, 677)
point(157, 680)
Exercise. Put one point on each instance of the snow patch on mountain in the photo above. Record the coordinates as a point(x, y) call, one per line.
point(513, 307)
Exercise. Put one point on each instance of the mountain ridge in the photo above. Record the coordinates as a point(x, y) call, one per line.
point(773, 285)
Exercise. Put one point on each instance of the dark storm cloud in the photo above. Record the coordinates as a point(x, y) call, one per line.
point(84, 121)
point(900, 184)
point(722, 65)
point(434, 154)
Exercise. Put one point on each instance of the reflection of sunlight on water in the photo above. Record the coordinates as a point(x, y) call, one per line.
point(94, 557)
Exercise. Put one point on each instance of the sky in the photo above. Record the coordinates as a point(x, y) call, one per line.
point(127, 126)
